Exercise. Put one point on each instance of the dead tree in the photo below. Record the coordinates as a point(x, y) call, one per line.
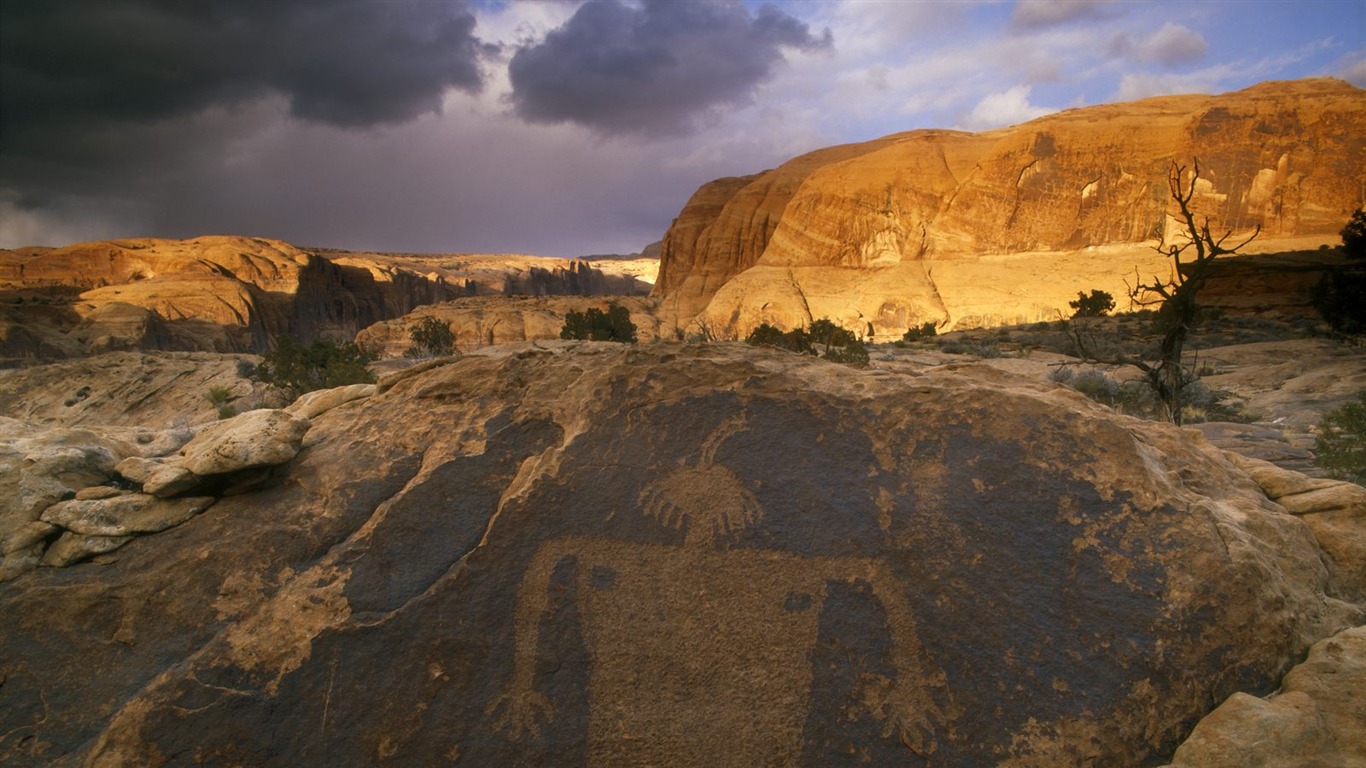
point(1174, 297)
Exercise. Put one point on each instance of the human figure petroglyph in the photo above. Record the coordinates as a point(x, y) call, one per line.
point(682, 638)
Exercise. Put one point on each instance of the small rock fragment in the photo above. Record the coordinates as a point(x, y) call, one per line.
point(71, 548)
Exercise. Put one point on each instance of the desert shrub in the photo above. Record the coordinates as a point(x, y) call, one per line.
point(1354, 236)
point(984, 348)
point(1341, 442)
point(296, 368)
point(1340, 296)
point(703, 332)
point(595, 325)
point(824, 337)
point(852, 353)
point(796, 340)
point(827, 334)
point(246, 369)
point(431, 338)
point(1097, 304)
point(1130, 397)
point(219, 397)
point(924, 331)
point(1096, 385)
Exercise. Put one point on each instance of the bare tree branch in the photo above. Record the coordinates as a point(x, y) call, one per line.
point(1175, 297)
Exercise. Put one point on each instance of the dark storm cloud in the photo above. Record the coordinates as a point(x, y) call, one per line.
point(80, 71)
point(652, 68)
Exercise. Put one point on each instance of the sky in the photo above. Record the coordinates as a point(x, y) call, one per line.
point(556, 128)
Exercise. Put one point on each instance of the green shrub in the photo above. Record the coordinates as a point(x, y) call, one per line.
point(219, 395)
point(1354, 236)
point(827, 334)
point(925, 331)
point(296, 369)
point(984, 348)
point(796, 340)
point(852, 353)
point(1098, 304)
point(1340, 296)
point(1341, 443)
point(824, 337)
point(595, 325)
point(431, 338)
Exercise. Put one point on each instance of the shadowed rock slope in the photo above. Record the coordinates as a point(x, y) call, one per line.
point(680, 555)
point(1006, 225)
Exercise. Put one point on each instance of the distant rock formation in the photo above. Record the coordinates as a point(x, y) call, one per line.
point(537, 553)
point(481, 321)
point(577, 279)
point(235, 294)
point(968, 229)
point(225, 294)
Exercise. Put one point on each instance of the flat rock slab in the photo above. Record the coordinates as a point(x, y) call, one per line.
point(156, 476)
point(71, 548)
point(125, 515)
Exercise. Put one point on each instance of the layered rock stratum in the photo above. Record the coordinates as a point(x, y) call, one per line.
point(964, 229)
point(694, 555)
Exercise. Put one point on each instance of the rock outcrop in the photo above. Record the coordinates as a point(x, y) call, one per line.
point(67, 495)
point(223, 294)
point(684, 555)
point(921, 226)
point(1316, 719)
point(151, 390)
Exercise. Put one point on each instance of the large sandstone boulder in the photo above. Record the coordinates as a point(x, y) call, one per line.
point(258, 438)
point(671, 555)
point(919, 226)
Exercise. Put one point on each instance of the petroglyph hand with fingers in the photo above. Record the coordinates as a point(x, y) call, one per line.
point(521, 712)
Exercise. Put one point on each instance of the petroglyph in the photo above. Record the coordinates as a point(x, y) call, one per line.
point(681, 637)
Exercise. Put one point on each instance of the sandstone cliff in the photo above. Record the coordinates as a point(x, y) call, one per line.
point(227, 294)
point(967, 229)
point(486, 274)
point(751, 556)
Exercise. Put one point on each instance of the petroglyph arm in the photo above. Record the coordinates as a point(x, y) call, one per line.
point(910, 710)
point(520, 710)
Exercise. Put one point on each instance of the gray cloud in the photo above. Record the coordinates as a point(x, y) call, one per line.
point(1031, 14)
point(1172, 45)
point(654, 68)
point(77, 73)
